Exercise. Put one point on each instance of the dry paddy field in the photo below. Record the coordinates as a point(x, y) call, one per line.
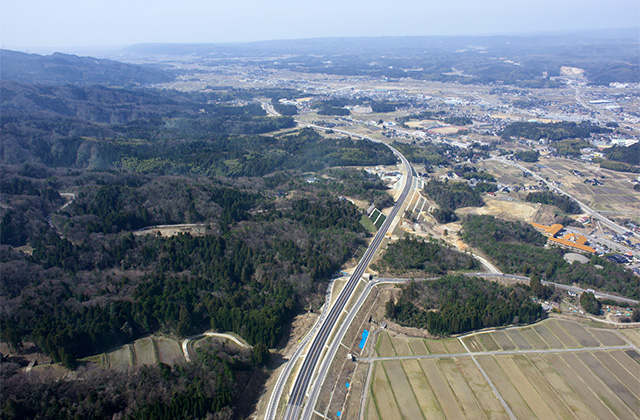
point(615, 195)
point(556, 369)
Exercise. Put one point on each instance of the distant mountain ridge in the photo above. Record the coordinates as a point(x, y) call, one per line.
point(384, 45)
point(522, 60)
point(95, 103)
point(61, 69)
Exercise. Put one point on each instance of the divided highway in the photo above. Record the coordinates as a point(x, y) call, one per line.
point(313, 356)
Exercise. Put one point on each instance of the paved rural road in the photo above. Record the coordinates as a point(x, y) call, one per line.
point(616, 227)
point(312, 358)
point(494, 353)
point(524, 279)
point(186, 344)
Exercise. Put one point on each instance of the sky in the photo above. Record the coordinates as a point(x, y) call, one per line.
point(65, 25)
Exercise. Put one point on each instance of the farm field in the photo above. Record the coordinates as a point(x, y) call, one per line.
point(414, 346)
point(554, 369)
point(614, 195)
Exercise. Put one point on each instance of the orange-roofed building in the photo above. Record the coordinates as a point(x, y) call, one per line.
point(550, 230)
point(554, 229)
point(570, 244)
point(572, 240)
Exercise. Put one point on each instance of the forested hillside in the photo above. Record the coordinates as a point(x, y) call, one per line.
point(61, 69)
point(85, 168)
point(452, 195)
point(456, 304)
point(152, 132)
point(423, 257)
point(518, 248)
point(629, 155)
point(551, 131)
point(356, 183)
point(260, 259)
point(211, 384)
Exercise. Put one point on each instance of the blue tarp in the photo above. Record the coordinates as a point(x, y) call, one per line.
point(339, 414)
point(365, 334)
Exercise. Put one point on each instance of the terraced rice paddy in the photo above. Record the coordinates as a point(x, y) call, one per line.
point(554, 369)
point(144, 351)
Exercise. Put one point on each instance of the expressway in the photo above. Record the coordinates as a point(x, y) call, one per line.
point(313, 356)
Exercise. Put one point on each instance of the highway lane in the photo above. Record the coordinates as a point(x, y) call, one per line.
point(327, 360)
point(274, 400)
point(303, 380)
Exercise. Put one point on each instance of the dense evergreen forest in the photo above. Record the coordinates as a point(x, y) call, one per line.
point(332, 107)
point(423, 115)
point(570, 147)
point(269, 247)
point(386, 106)
point(563, 202)
point(452, 195)
point(423, 257)
point(469, 172)
point(590, 304)
point(284, 109)
point(427, 154)
point(519, 249)
point(527, 155)
point(355, 183)
point(629, 155)
point(248, 274)
point(430, 154)
point(619, 166)
point(456, 304)
point(212, 383)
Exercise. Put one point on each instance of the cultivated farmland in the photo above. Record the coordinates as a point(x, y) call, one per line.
point(554, 369)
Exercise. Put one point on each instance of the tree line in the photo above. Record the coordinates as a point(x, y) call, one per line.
point(552, 131)
point(457, 304)
point(451, 195)
point(563, 202)
point(429, 257)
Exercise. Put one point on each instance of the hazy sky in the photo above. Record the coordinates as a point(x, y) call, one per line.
point(67, 24)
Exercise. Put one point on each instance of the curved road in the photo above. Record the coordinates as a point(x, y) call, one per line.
point(186, 343)
point(312, 358)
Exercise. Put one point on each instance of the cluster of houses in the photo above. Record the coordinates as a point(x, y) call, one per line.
point(624, 239)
